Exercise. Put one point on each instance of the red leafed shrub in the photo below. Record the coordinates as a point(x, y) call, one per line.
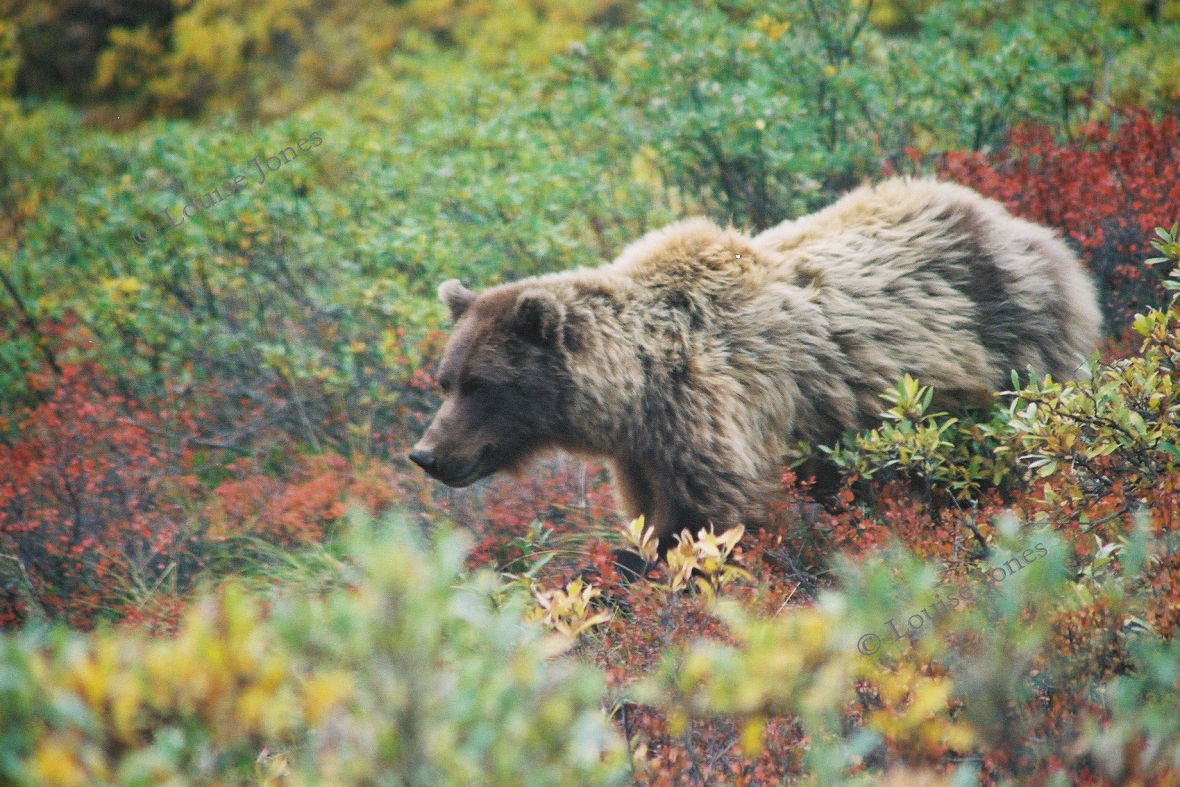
point(102, 513)
point(1107, 190)
point(87, 502)
point(291, 510)
point(298, 507)
point(161, 614)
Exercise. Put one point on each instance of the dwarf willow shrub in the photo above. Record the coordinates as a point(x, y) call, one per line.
point(987, 664)
point(758, 111)
point(1142, 739)
point(409, 672)
point(815, 662)
point(1119, 425)
point(961, 454)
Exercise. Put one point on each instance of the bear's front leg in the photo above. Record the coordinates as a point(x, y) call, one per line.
point(634, 496)
point(640, 491)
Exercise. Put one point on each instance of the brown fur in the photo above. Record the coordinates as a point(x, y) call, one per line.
point(694, 360)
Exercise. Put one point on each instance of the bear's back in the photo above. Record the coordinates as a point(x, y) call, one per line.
point(933, 280)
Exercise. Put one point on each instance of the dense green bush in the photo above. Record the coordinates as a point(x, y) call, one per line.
point(315, 286)
point(758, 112)
point(960, 455)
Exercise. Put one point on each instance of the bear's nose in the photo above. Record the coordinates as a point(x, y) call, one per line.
point(423, 458)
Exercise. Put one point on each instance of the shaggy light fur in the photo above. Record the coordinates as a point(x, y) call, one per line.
point(694, 360)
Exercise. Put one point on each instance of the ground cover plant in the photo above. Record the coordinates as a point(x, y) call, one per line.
point(215, 564)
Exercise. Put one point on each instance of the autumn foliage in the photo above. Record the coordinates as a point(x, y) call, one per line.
point(89, 503)
point(109, 508)
point(216, 566)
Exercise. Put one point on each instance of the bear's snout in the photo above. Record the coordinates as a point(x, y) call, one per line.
point(424, 459)
point(452, 468)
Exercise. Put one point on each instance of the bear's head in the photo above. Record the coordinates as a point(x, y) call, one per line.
point(504, 379)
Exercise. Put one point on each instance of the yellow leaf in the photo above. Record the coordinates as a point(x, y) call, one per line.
point(55, 764)
point(322, 692)
point(929, 698)
point(126, 698)
point(751, 736)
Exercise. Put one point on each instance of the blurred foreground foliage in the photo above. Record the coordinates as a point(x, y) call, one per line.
point(398, 672)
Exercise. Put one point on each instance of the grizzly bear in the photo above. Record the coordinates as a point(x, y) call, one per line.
point(695, 360)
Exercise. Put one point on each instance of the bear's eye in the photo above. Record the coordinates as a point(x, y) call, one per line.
point(444, 386)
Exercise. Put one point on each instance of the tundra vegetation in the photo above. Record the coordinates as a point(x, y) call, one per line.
point(215, 564)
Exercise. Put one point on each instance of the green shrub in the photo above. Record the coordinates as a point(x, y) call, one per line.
point(962, 455)
point(1118, 426)
point(758, 112)
point(1141, 742)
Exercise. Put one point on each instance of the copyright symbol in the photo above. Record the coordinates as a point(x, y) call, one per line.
point(868, 644)
point(140, 236)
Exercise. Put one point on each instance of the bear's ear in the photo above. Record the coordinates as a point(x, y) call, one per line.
point(456, 297)
point(539, 316)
